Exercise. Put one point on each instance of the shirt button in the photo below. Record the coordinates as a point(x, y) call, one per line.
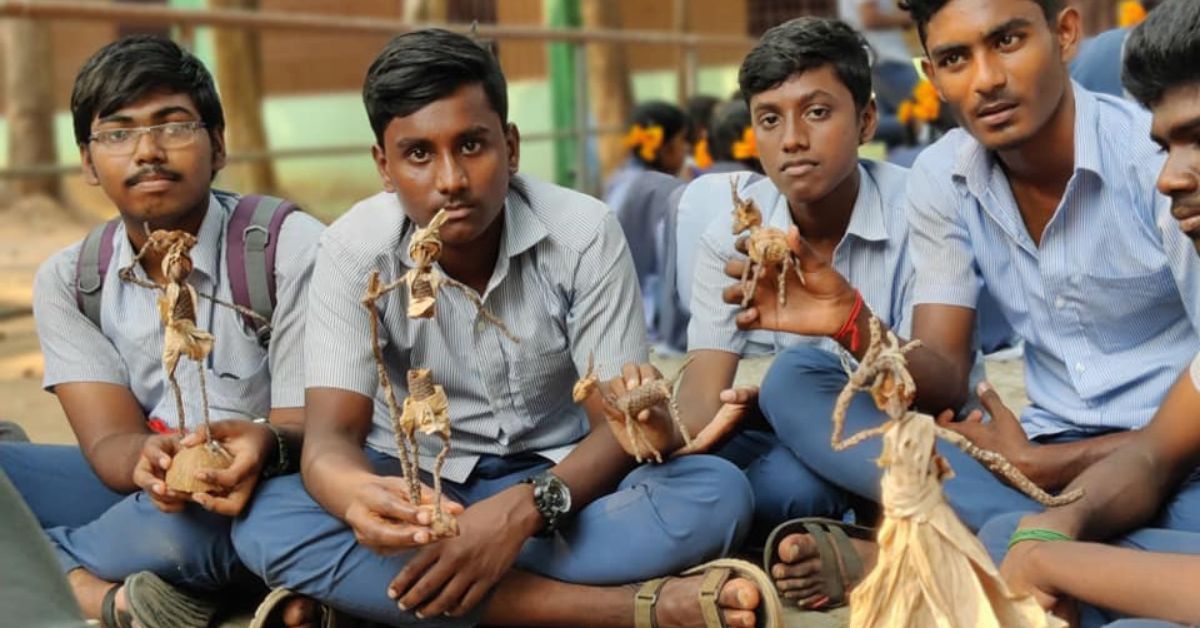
point(479, 325)
point(1060, 303)
point(1079, 367)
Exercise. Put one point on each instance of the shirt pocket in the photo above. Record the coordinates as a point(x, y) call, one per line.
point(544, 380)
point(246, 393)
point(1123, 313)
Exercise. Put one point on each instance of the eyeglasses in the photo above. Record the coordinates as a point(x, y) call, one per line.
point(169, 136)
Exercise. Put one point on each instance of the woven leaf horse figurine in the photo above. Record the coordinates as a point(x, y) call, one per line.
point(426, 409)
point(632, 403)
point(767, 247)
point(424, 279)
point(181, 338)
point(930, 571)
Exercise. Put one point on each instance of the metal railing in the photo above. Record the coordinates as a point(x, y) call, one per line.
point(151, 15)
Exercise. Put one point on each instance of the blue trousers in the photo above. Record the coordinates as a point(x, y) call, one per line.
point(996, 533)
point(660, 519)
point(114, 536)
point(784, 488)
point(798, 396)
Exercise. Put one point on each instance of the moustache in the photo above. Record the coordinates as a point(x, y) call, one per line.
point(152, 172)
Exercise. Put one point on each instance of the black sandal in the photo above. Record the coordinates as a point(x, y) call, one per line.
point(110, 617)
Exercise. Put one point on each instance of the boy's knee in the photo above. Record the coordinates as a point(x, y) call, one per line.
point(800, 368)
point(260, 536)
point(724, 497)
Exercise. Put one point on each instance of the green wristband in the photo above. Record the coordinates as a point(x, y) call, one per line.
point(1037, 534)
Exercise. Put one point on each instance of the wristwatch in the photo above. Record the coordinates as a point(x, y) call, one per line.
point(552, 498)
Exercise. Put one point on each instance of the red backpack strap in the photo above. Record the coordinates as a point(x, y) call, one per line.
point(91, 268)
point(250, 255)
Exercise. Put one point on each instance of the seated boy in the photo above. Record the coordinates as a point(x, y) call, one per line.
point(150, 131)
point(555, 519)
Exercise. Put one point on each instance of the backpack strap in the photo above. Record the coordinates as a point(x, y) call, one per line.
point(250, 255)
point(91, 268)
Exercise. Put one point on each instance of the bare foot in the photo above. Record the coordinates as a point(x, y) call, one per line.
point(677, 606)
point(798, 575)
point(301, 612)
point(89, 592)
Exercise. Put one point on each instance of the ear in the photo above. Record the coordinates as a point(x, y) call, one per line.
point(218, 149)
point(381, 163)
point(90, 176)
point(868, 122)
point(1069, 31)
point(512, 139)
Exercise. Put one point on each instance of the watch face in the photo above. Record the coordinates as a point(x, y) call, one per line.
point(556, 494)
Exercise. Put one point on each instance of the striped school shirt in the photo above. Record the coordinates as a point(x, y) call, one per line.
point(243, 379)
point(563, 284)
point(1107, 305)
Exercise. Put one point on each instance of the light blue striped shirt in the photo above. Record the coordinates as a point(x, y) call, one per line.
point(563, 283)
point(1107, 305)
point(243, 379)
point(872, 256)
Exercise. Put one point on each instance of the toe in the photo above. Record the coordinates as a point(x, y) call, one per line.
point(796, 547)
point(740, 619)
point(739, 594)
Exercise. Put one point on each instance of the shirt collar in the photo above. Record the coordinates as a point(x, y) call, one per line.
point(974, 164)
point(206, 255)
point(866, 218)
point(522, 228)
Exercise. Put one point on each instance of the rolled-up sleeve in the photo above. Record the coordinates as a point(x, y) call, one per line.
point(943, 258)
point(337, 339)
point(605, 318)
point(75, 350)
point(713, 325)
point(298, 240)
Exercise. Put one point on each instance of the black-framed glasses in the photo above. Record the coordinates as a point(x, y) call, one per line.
point(170, 135)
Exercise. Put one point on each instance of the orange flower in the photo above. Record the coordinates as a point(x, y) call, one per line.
point(1130, 13)
point(747, 148)
point(701, 156)
point(924, 106)
point(646, 139)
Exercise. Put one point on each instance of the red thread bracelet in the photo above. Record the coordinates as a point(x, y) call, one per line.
point(851, 326)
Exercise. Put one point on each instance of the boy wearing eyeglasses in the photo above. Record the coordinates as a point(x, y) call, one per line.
point(150, 131)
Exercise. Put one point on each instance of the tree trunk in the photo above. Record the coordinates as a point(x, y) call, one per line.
point(29, 103)
point(426, 11)
point(608, 83)
point(239, 79)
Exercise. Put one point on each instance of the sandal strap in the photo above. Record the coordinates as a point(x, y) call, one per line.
point(831, 574)
point(110, 617)
point(644, 602)
point(710, 591)
point(852, 564)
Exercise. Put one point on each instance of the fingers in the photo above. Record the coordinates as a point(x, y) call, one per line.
point(723, 424)
point(448, 596)
point(740, 395)
point(748, 319)
point(245, 466)
point(732, 294)
point(469, 601)
point(428, 498)
point(808, 258)
point(990, 399)
point(230, 505)
point(414, 569)
point(742, 245)
point(159, 450)
point(384, 536)
point(197, 436)
point(945, 418)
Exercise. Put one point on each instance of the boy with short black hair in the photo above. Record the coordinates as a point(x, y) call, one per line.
point(150, 130)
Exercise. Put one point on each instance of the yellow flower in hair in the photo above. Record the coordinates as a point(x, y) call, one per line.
point(747, 148)
point(646, 139)
point(905, 113)
point(1130, 13)
point(701, 156)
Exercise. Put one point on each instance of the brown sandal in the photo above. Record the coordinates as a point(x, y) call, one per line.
point(716, 574)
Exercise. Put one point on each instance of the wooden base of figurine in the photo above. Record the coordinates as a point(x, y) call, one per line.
point(181, 476)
